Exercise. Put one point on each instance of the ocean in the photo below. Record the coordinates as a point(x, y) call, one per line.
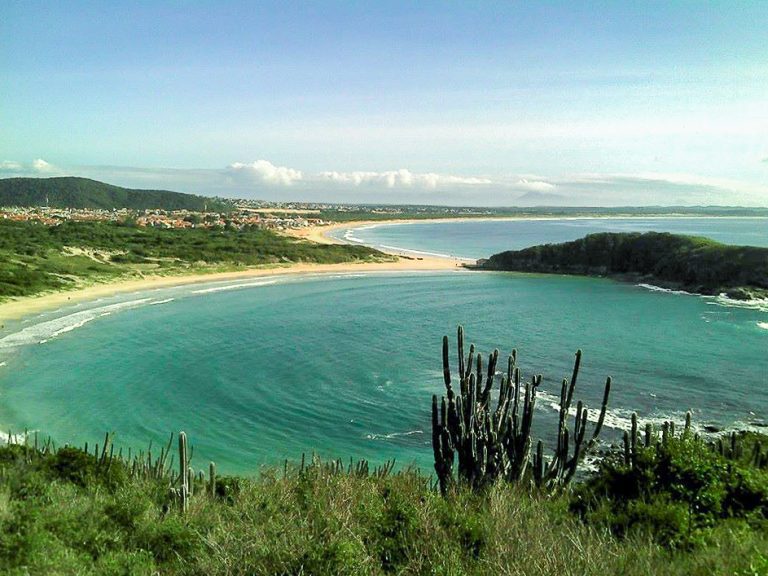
point(262, 370)
point(482, 238)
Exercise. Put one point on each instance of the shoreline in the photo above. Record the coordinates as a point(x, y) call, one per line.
point(319, 234)
point(20, 308)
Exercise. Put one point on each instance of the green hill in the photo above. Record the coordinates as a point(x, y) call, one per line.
point(72, 192)
point(685, 262)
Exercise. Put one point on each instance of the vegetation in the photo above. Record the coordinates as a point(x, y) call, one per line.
point(675, 489)
point(35, 257)
point(671, 504)
point(684, 262)
point(495, 444)
point(69, 512)
point(72, 192)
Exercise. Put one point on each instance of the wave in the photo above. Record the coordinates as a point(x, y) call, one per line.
point(349, 237)
point(618, 418)
point(392, 435)
point(44, 331)
point(162, 301)
point(763, 325)
point(438, 254)
point(653, 288)
point(234, 287)
point(760, 304)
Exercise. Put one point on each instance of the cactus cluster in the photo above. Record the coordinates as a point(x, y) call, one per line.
point(494, 442)
point(730, 446)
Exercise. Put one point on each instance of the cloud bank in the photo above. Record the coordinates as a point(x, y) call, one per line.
point(262, 179)
point(266, 172)
point(401, 178)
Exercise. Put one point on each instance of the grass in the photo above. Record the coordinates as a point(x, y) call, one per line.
point(64, 513)
point(35, 258)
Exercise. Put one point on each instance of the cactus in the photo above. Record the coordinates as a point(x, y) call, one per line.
point(190, 481)
point(183, 467)
point(494, 442)
point(212, 479)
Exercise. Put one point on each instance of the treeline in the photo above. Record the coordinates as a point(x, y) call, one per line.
point(690, 263)
point(35, 258)
point(72, 192)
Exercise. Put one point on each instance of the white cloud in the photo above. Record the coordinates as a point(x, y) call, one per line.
point(10, 166)
point(534, 185)
point(401, 179)
point(264, 180)
point(41, 165)
point(266, 172)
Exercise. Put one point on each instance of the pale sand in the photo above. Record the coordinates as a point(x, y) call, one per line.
point(21, 307)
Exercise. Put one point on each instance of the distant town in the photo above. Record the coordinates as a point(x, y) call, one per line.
point(241, 213)
point(239, 217)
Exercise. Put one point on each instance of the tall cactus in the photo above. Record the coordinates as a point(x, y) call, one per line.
point(183, 472)
point(494, 442)
point(212, 479)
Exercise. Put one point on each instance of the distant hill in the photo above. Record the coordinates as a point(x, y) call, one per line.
point(72, 192)
point(689, 263)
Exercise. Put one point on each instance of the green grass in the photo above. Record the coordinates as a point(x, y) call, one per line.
point(65, 514)
point(36, 258)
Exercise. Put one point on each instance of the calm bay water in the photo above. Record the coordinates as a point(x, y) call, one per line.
point(266, 369)
point(479, 239)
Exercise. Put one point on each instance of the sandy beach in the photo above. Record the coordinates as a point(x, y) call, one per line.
point(26, 306)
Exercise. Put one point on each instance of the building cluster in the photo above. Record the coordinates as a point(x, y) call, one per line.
point(239, 218)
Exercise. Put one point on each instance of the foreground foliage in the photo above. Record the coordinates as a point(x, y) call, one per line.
point(35, 257)
point(494, 442)
point(676, 488)
point(68, 513)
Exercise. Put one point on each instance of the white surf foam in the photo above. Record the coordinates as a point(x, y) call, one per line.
point(349, 236)
point(44, 331)
point(408, 251)
point(393, 435)
point(234, 287)
point(653, 288)
point(162, 301)
point(763, 325)
point(757, 304)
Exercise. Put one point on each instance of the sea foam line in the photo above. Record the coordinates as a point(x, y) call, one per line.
point(392, 435)
point(44, 331)
point(162, 301)
point(234, 287)
point(438, 254)
point(757, 304)
point(653, 288)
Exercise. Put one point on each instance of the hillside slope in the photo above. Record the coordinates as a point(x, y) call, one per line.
point(73, 192)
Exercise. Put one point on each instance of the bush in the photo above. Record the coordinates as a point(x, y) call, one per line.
point(673, 491)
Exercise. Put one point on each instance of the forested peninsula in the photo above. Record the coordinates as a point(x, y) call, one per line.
point(689, 263)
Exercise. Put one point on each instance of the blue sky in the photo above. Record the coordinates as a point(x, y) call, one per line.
point(502, 103)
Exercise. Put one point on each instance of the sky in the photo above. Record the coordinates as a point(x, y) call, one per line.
point(465, 103)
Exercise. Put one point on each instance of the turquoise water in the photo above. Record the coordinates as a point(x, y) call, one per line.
point(263, 370)
point(480, 239)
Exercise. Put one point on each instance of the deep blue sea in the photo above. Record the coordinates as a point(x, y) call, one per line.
point(261, 370)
